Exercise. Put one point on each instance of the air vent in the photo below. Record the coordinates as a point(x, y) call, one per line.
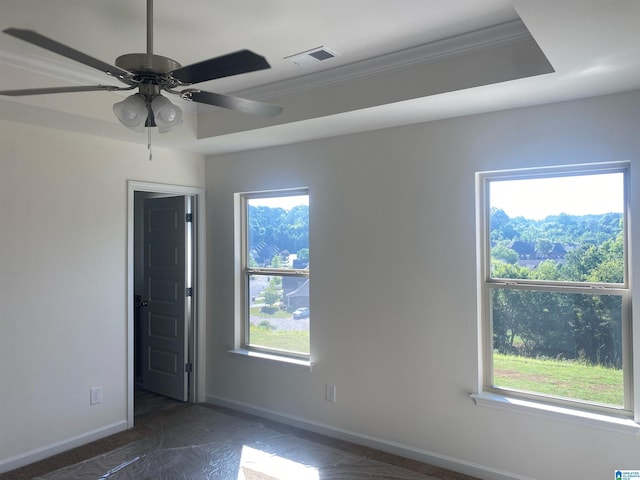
point(309, 57)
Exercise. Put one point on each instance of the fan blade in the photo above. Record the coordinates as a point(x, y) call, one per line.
point(242, 61)
point(44, 91)
point(48, 44)
point(233, 103)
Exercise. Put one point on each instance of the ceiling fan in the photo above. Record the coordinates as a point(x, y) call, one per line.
point(152, 74)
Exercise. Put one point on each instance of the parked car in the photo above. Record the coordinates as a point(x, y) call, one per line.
point(302, 312)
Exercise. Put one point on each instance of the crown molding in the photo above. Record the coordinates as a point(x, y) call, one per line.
point(51, 67)
point(487, 38)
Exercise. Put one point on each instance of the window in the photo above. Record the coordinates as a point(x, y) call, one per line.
point(274, 290)
point(555, 298)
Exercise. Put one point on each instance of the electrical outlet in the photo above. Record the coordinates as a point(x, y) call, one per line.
point(330, 393)
point(95, 396)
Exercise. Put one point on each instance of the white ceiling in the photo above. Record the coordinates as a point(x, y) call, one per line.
point(392, 65)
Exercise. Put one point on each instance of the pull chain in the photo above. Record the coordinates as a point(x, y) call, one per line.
point(149, 144)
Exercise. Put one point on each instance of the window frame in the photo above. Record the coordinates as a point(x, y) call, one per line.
point(244, 272)
point(487, 284)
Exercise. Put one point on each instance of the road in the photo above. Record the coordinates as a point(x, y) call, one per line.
point(256, 285)
point(283, 323)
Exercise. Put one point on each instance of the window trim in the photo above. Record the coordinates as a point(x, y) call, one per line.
point(557, 413)
point(242, 345)
point(488, 394)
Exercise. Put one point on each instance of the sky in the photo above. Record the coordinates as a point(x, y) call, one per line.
point(578, 195)
point(287, 202)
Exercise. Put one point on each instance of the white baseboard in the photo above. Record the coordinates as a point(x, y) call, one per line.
point(53, 449)
point(431, 458)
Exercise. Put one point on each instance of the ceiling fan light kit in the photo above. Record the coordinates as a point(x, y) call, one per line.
point(132, 112)
point(152, 74)
point(139, 111)
point(167, 116)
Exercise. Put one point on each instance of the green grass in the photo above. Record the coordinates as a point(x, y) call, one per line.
point(568, 379)
point(290, 340)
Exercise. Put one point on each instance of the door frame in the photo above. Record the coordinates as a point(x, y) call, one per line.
point(197, 391)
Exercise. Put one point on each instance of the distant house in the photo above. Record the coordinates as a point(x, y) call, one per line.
point(525, 250)
point(299, 297)
point(292, 284)
point(557, 251)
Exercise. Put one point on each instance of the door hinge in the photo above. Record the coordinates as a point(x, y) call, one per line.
point(189, 292)
point(188, 367)
point(189, 217)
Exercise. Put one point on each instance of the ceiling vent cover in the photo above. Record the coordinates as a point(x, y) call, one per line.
point(312, 56)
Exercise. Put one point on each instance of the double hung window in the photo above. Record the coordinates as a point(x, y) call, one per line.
point(554, 281)
point(274, 291)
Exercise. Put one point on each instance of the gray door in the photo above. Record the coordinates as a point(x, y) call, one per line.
point(166, 311)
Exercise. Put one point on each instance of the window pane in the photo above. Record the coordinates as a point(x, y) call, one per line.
point(560, 344)
point(565, 228)
point(278, 232)
point(279, 313)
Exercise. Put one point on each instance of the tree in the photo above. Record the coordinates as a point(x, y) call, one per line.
point(509, 308)
point(272, 292)
point(597, 324)
point(273, 230)
point(538, 319)
point(610, 268)
point(543, 247)
point(535, 322)
point(547, 270)
point(276, 261)
point(597, 263)
point(504, 253)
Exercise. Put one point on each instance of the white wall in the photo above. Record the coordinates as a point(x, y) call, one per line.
point(394, 286)
point(63, 290)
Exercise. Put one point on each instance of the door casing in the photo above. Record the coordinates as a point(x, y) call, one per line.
point(197, 334)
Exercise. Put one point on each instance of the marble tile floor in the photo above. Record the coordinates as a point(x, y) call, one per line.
point(201, 442)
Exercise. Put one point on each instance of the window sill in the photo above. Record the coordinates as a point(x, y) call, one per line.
point(594, 420)
point(278, 359)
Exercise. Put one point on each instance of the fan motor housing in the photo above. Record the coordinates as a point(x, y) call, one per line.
point(145, 63)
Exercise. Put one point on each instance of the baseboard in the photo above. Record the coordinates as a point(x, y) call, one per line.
point(468, 468)
point(59, 447)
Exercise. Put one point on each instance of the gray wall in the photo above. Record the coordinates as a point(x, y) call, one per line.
point(393, 297)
